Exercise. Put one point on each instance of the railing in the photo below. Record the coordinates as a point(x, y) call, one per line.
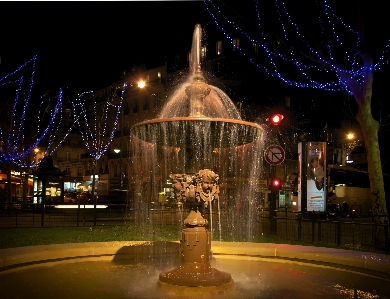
point(352, 233)
point(37, 215)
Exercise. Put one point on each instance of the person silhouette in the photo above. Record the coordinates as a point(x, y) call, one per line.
point(316, 173)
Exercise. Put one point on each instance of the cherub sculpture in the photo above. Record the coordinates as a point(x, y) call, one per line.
point(196, 191)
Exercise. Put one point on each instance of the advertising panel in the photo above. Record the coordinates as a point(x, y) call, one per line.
point(312, 176)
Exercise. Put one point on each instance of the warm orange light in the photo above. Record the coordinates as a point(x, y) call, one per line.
point(141, 84)
point(350, 136)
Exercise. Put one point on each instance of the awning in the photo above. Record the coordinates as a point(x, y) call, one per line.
point(71, 179)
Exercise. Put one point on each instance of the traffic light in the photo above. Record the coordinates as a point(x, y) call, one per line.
point(276, 119)
point(276, 184)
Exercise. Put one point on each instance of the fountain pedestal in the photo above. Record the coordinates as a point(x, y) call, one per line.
point(195, 269)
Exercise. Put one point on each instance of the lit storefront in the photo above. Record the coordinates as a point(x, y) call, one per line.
point(48, 188)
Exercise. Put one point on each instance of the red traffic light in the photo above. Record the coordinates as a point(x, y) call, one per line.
point(276, 184)
point(276, 119)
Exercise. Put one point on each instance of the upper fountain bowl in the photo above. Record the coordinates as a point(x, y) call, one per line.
point(195, 98)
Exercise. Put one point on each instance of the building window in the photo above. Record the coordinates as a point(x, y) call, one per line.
point(68, 113)
point(219, 47)
point(126, 111)
point(67, 156)
point(135, 108)
point(255, 48)
point(236, 43)
point(67, 142)
point(68, 170)
point(79, 157)
point(156, 97)
point(146, 105)
point(203, 53)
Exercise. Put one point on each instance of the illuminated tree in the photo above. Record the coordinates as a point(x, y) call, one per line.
point(24, 122)
point(307, 45)
point(97, 117)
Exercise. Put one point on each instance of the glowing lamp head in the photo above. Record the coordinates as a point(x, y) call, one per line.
point(276, 119)
point(276, 184)
point(141, 84)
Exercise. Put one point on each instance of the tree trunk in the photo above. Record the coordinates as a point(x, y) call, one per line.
point(94, 199)
point(370, 128)
point(9, 185)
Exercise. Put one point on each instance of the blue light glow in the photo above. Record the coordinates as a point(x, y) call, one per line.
point(311, 60)
point(97, 133)
point(15, 145)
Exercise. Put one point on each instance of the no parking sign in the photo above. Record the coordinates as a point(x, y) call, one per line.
point(274, 154)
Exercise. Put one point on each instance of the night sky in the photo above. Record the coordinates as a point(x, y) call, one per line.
point(88, 45)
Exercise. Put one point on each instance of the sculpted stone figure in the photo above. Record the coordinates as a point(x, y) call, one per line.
point(196, 191)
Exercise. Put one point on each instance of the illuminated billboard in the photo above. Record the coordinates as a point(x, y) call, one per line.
point(312, 176)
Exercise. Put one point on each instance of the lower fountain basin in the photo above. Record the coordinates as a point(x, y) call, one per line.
point(132, 269)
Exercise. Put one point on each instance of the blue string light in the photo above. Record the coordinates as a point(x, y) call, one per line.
point(311, 62)
point(15, 145)
point(97, 134)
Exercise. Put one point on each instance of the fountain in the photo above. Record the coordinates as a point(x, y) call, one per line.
point(197, 149)
point(198, 130)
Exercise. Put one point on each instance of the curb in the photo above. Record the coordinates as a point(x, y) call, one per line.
point(16, 258)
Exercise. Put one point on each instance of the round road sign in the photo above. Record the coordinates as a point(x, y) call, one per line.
point(274, 154)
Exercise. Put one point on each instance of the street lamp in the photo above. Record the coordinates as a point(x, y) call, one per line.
point(36, 151)
point(141, 83)
point(348, 147)
point(118, 151)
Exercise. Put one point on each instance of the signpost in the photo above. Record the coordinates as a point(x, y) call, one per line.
point(274, 154)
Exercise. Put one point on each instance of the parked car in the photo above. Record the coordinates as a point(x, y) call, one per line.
point(70, 197)
point(84, 198)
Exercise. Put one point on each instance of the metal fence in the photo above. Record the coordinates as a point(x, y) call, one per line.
point(35, 215)
point(53, 216)
point(351, 233)
point(344, 233)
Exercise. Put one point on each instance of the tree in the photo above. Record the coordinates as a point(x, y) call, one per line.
point(307, 45)
point(24, 124)
point(97, 116)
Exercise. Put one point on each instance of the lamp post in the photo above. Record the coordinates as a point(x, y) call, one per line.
point(348, 147)
point(117, 150)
